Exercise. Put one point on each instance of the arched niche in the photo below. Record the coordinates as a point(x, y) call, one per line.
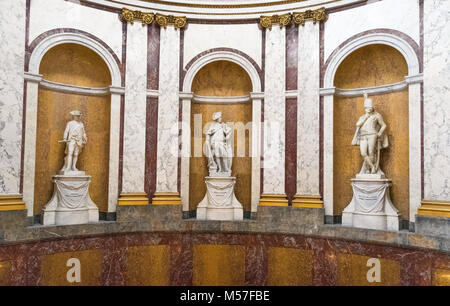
point(368, 66)
point(72, 64)
point(219, 81)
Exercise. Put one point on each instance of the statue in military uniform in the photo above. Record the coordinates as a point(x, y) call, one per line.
point(75, 138)
point(371, 137)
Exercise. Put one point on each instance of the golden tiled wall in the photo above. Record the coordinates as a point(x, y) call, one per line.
point(289, 267)
point(54, 268)
point(148, 265)
point(218, 265)
point(75, 65)
point(441, 277)
point(5, 270)
point(372, 66)
point(352, 271)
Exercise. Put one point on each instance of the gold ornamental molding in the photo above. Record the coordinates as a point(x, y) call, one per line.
point(298, 18)
point(137, 198)
point(268, 21)
point(311, 201)
point(164, 20)
point(314, 15)
point(270, 199)
point(11, 202)
point(130, 16)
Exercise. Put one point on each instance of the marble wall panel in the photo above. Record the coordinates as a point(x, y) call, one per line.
point(47, 15)
point(202, 37)
point(12, 34)
point(400, 15)
point(436, 100)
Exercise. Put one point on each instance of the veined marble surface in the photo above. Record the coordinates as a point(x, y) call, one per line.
point(308, 145)
point(168, 107)
point(274, 112)
point(400, 15)
point(135, 110)
point(436, 100)
point(47, 15)
point(201, 37)
point(12, 35)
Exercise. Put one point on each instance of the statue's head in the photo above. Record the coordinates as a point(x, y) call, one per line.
point(217, 116)
point(368, 104)
point(76, 114)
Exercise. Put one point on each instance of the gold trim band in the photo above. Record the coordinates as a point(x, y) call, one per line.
point(298, 18)
point(270, 199)
point(312, 201)
point(166, 198)
point(11, 202)
point(138, 198)
point(434, 209)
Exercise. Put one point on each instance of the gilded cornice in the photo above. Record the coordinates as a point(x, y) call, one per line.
point(282, 20)
point(296, 17)
point(130, 16)
point(314, 15)
point(147, 18)
point(164, 20)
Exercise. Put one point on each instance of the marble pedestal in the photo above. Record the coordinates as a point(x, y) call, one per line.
point(70, 203)
point(371, 206)
point(220, 202)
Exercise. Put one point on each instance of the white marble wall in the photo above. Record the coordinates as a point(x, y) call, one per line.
point(308, 127)
point(201, 37)
point(135, 109)
point(274, 112)
point(12, 36)
point(47, 15)
point(436, 100)
point(400, 15)
point(168, 108)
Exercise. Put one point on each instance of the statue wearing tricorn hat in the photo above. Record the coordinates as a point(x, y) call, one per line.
point(370, 137)
point(75, 138)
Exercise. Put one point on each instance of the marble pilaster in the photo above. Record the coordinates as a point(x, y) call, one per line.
point(168, 118)
point(12, 33)
point(274, 118)
point(308, 129)
point(135, 111)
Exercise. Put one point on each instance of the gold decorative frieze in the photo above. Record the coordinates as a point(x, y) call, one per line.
point(268, 21)
point(164, 20)
point(130, 16)
point(314, 15)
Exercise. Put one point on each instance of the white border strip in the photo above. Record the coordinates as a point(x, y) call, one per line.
point(221, 100)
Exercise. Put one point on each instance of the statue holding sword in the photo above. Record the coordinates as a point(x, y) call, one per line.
point(75, 138)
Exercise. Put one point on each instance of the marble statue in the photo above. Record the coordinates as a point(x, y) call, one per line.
point(371, 138)
point(75, 138)
point(219, 202)
point(71, 202)
point(371, 205)
point(218, 147)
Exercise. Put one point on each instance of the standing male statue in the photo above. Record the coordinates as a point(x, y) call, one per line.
point(371, 138)
point(218, 147)
point(75, 138)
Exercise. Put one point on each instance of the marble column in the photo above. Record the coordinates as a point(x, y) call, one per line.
point(168, 118)
point(186, 100)
point(114, 154)
point(436, 110)
point(255, 149)
point(308, 127)
point(328, 105)
point(274, 119)
point(133, 192)
point(12, 32)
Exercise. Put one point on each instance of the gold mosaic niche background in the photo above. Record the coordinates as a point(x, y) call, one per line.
point(221, 78)
point(76, 65)
point(372, 66)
